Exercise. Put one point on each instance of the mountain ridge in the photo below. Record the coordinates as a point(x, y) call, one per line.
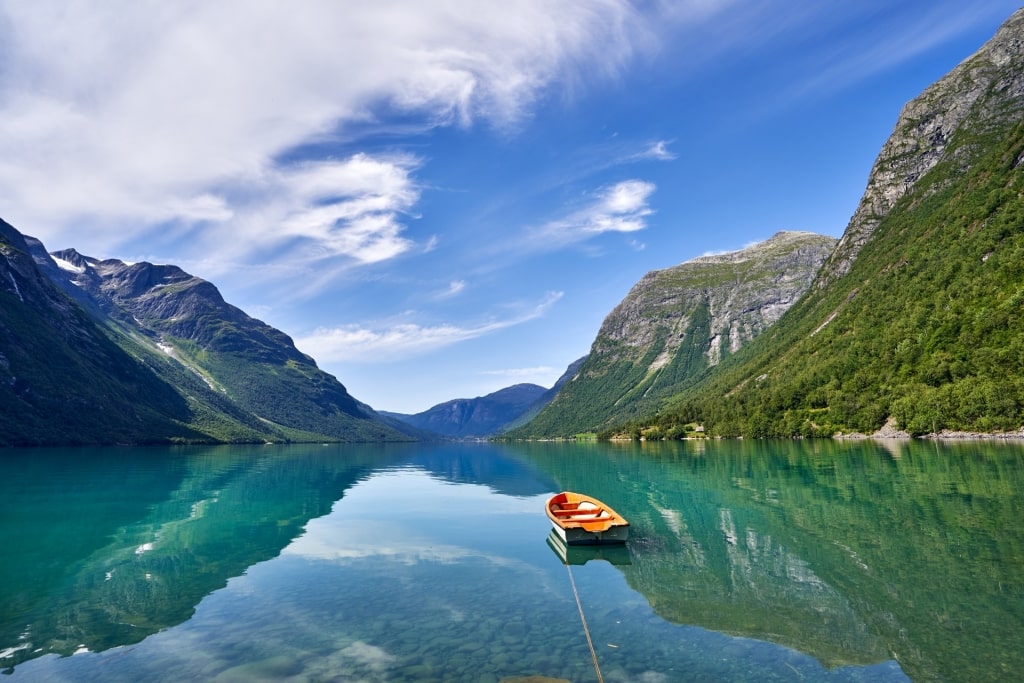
point(483, 416)
point(913, 323)
point(924, 130)
point(151, 354)
point(674, 324)
point(60, 372)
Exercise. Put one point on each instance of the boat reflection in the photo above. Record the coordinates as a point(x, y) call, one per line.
point(839, 550)
point(613, 553)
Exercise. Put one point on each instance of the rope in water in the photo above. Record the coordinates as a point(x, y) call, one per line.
point(583, 620)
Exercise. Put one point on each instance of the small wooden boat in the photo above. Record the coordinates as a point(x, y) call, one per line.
point(582, 520)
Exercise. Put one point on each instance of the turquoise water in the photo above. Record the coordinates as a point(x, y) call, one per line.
point(748, 561)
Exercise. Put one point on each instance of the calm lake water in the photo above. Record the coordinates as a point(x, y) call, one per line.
point(748, 561)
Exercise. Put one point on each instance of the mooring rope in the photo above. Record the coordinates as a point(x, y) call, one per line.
point(583, 620)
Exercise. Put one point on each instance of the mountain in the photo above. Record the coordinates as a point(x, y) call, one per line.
point(547, 397)
point(915, 320)
point(674, 324)
point(107, 352)
point(476, 417)
point(62, 379)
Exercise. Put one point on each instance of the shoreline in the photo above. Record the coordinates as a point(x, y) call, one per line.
point(944, 435)
point(890, 431)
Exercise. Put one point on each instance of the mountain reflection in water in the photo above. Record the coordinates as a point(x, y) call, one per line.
point(362, 561)
point(853, 552)
point(104, 547)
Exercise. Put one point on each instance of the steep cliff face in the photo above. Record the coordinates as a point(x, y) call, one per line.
point(677, 322)
point(62, 379)
point(251, 363)
point(714, 303)
point(166, 301)
point(980, 96)
point(914, 321)
point(108, 352)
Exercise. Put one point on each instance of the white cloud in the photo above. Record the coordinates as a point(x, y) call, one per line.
point(657, 151)
point(349, 208)
point(123, 117)
point(306, 222)
point(454, 288)
point(623, 207)
point(399, 341)
point(628, 198)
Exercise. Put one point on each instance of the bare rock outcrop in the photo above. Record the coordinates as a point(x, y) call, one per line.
point(937, 125)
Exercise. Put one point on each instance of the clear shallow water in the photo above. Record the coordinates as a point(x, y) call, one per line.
point(814, 561)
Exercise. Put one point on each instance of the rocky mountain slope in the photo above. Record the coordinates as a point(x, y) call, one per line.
point(950, 122)
point(677, 322)
point(476, 417)
point(61, 375)
point(104, 351)
point(914, 321)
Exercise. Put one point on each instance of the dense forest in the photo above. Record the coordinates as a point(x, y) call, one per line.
point(924, 328)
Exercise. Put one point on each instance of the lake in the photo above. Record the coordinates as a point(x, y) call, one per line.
point(747, 561)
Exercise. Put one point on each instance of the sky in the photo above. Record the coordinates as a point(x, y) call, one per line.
point(438, 199)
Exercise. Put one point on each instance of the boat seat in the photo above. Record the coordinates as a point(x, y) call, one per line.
point(578, 512)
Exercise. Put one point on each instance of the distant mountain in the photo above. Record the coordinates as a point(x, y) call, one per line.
point(915, 320)
point(476, 417)
point(104, 351)
point(547, 397)
point(676, 323)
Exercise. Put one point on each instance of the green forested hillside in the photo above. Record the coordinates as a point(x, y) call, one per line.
point(927, 327)
point(674, 324)
point(109, 352)
point(64, 380)
point(242, 361)
point(916, 319)
point(294, 396)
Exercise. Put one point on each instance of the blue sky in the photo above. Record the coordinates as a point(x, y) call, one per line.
point(439, 199)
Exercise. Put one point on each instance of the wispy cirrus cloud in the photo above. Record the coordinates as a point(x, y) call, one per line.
point(403, 340)
point(455, 287)
point(656, 151)
point(848, 59)
point(124, 118)
point(622, 207)
point(842, 57)
point(349, 208)
point(306, 222)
